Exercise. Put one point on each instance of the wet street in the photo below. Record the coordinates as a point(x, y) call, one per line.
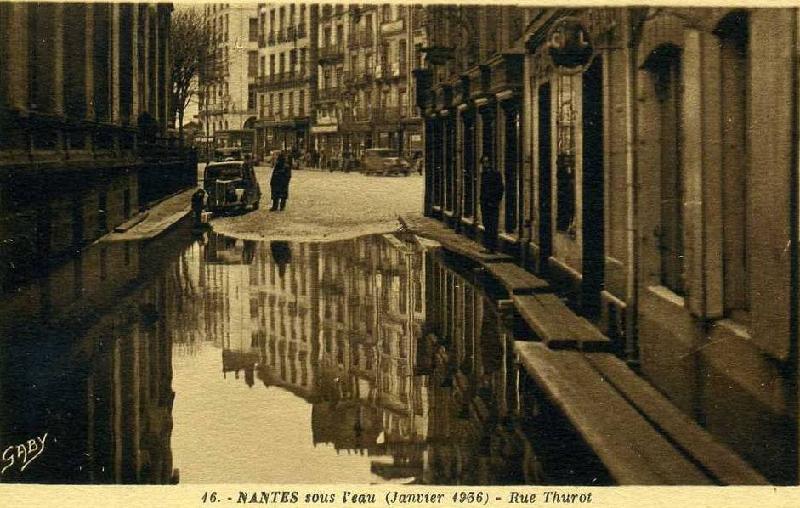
point(215, 358)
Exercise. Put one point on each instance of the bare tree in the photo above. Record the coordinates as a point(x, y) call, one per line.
point(192, 51)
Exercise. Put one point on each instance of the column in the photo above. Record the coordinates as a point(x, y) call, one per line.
point(115, 71)
point(89, 62)
point(135, 99)
point(58, 58)
point(15, 70)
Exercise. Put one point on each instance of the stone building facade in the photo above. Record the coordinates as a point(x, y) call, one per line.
point(653, 181)
point(84, 107)
point(229, 101)
point(287, 75)
point(365, 86)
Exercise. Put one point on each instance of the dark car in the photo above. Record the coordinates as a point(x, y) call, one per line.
point(231, 185)
point(384, 161)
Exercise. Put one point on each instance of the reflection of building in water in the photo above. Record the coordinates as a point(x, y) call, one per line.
point(258, 301)
point(88, 359)
point(334, 323)
point(472, 436)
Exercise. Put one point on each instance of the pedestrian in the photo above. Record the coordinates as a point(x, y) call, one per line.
point(281, 254)
point(279, 182)
point(198, 202)
point(491, 195)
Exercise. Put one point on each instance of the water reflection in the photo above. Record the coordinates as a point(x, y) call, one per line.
point(226, 360)
point(86, 358)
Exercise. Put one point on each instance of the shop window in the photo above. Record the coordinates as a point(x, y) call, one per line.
point(734, 63)
point(665, 68)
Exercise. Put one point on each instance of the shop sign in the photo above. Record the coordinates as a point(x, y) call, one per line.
point(569, 45)
point(324, 129)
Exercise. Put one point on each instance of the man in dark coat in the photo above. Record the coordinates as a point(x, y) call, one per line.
point(491, 196)
point(279, 182)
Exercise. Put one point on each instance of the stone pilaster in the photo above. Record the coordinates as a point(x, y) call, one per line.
point(16, 61)
point(89, 60)
point(114, 96)
point(58, 59)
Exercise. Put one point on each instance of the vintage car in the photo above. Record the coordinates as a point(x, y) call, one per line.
point(231, 185)
point(384, 161)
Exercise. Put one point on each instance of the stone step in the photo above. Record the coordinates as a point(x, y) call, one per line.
point(516, 279)
point(632, 450)
point(558, 326)
point(716, 458)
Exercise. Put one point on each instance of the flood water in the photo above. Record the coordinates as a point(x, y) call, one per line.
point(219, 360)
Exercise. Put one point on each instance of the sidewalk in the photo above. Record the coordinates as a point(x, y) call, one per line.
point(640, 436)
point(153, 222)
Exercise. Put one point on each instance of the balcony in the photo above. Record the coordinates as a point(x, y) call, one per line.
point(393, 27)
point(329, 54)
point(328, 94)
point(271, 39)
point(362, 39)
point(390, 114)
point(282, 80)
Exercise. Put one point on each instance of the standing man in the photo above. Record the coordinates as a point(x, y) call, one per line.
point(491, 195)
point(279, 182)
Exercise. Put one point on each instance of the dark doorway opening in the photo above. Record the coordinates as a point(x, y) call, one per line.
point(469, 165)
point(511, 166)
point(593, 189)
point(545, 176)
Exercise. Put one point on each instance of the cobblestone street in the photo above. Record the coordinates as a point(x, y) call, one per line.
point(327, 206)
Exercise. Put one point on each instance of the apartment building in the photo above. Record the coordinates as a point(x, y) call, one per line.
point(365, 84)
point(286, 75)
point(228, 102)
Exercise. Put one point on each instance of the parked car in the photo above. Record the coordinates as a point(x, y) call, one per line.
point(231, 185)
point(384, 161)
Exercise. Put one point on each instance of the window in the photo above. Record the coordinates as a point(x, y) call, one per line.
point(386, 13)
point(303, 60)
point(271, 105)
point(734, 63)
point(291, 103)
point(251, 97)
point(280, 104)
point(253, 34)
point(665, 68)
point(252, 63)
point(262, 66)
point(302, 106)
point(401, 55)
point(282, 64)
point(271, 65)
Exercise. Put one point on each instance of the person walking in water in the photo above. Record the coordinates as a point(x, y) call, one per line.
point(279, 182)
point(491, 195)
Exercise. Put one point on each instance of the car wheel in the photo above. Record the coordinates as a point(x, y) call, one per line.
point(255, 205)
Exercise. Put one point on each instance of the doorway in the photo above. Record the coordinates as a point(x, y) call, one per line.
point(592, 282)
